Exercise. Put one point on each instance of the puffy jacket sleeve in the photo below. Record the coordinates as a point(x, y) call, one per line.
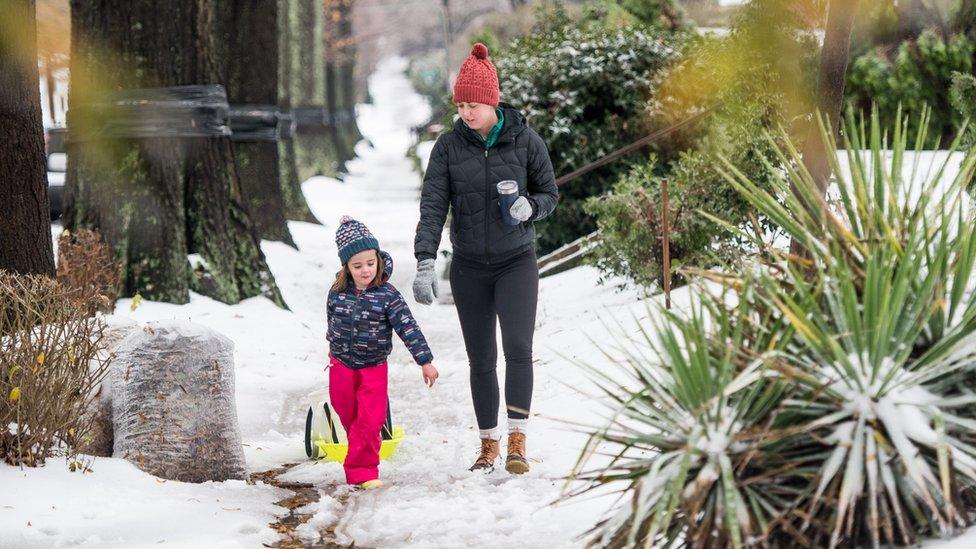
point(541, 184)
point(329, 312)
point(402, 321)
point(435, 198)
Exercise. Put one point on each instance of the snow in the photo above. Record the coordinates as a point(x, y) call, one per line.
point(117, 505)
point(430, 499)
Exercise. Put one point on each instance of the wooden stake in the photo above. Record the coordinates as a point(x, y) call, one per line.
point(666, 243)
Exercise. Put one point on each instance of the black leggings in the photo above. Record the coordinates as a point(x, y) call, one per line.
point(509, 292)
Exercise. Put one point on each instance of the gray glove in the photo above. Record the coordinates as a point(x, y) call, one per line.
point(521, 209)
point(425, 284)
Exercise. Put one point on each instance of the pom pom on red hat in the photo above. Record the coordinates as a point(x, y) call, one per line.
point(480, 51)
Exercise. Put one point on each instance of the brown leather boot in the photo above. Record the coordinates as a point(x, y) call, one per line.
point(487, 456)
point(516, 462)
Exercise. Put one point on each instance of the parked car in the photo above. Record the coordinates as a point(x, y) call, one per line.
point(57, 161)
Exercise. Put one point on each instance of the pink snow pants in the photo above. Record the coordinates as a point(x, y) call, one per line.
point(359, 397)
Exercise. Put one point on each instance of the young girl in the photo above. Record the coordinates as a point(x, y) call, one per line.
point(363, 310)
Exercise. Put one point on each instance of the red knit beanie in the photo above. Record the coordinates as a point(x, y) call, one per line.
point(477, 82)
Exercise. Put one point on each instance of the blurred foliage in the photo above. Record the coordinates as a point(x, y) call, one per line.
point(962, 95)
point(905, 52)
point(918, 72)
point(760, 76)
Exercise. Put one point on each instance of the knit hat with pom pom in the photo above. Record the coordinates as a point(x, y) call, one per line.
point(353, 237)
point(477, 81)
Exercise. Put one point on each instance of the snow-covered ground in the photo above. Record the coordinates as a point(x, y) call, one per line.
point(430, 499)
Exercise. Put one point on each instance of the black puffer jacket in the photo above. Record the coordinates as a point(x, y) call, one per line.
point(462, 175)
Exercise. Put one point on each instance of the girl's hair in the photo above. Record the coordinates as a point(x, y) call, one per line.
point(344, 277)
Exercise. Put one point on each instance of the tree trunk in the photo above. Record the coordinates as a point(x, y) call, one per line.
point(314, 149)
point(332, 102)
point(156, 200)
point(296, 207)
point(830, 94)
point(25, 226)
point(249, 50)
point(346, 81)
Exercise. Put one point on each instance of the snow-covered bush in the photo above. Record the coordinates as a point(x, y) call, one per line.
point(829, 399)
point(50, 365)
point(689, 434)
point(585, 87)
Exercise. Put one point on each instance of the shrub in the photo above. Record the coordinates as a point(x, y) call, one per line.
point(962, 96)
point(629, 217)
point(827, 399)
point(50, 366)
point(689, 436)
point(918, 72)
point(85, 264)
point(756, 78)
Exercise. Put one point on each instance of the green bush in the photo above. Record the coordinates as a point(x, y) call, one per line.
point(919, 72)
point(629, 217)
point(751, 91)
point(662, 14)
point(426, 73)
point(962, 96)
point(584, 87)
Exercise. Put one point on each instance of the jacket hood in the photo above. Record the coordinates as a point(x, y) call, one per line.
point(387, 266)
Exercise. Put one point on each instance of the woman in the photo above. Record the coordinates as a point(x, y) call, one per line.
point(494, 274)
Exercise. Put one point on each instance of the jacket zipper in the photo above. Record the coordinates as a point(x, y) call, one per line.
point(355, 315)
point(487, 205)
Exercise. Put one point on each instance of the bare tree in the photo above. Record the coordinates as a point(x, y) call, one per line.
point(25, 233)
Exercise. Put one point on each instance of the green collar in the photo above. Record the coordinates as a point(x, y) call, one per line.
point(496, 130)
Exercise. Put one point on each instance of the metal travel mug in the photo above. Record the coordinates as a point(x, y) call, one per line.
point(507, 195)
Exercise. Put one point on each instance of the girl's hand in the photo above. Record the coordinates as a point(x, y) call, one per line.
point(430, 374)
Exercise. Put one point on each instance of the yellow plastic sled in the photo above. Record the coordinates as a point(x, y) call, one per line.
point(336, 451)
point(325, 439)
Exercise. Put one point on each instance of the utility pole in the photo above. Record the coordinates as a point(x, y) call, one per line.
point(446, 17)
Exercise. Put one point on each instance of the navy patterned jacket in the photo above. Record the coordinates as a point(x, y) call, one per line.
point(361, 326)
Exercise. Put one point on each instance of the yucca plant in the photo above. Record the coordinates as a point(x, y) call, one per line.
point(825, 401)
point(687, 441)
point(884, 321)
